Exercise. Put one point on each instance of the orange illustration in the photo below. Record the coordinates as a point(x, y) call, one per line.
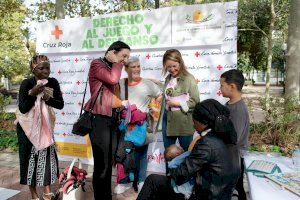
point(197, 16)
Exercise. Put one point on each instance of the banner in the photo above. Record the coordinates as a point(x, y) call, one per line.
point(205, 34)
point(166, 27)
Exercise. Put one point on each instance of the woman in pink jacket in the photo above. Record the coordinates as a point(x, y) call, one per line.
point(104, 77)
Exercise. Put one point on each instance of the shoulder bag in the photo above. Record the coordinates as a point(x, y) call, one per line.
point(83, 125)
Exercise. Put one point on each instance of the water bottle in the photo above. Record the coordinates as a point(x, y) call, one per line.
point(296, 159)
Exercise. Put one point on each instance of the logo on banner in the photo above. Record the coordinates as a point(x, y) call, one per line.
point(198, 17)
point(219, 67)
point(219, 93)
point(56, 32)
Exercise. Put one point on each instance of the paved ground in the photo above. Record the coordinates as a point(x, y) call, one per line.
point(9, 178)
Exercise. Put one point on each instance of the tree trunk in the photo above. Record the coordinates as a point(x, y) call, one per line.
point(85, 10)
point(59, 9)
point(293, 48)
point(156, 4)
point(270, 55)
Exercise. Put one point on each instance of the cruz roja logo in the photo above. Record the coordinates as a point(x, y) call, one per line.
point(57, 32)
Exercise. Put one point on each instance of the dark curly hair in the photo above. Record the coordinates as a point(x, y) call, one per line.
point(36, 60)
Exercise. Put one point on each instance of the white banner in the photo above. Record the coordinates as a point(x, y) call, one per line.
point(69, 65)
point(201, 24)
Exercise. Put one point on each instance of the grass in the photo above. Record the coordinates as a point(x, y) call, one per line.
point(8, 140)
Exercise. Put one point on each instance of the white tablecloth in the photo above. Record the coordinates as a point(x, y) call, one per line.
point(263, 188)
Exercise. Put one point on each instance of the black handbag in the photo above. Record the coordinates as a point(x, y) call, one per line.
point(83, 125)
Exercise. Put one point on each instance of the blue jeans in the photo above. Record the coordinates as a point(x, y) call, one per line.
point(141, 162)
point(184, 141)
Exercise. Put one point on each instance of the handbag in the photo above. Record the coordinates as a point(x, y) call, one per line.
point(73, 183)
point(83, 125)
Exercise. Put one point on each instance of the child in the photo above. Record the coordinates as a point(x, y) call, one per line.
point(175, 156)
point(232, 83)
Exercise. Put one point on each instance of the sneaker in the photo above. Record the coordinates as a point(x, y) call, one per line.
point(121, 188)
point(140, 186)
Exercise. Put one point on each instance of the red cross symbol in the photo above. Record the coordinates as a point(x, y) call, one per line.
point(76, 60)
point(197, 54)
point(59, 72)
point(78, 82)
point(219, 67)
point(63, 113)
point(219, 93)
point(148, 56)
point(57, 32)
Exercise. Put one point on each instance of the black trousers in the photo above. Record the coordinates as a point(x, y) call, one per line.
point(158, 187)
point(104, 142)
point(240, 184)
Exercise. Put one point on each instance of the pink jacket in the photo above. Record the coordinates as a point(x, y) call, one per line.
point(102, 75)
point(137, 116)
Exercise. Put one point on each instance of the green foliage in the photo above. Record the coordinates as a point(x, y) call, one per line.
point(4, 101)
point(45, 10)
point(253, 24)
point(281, 127)
point(8, 140)
point(8, 116)
point(244, 62)
point(14, 56)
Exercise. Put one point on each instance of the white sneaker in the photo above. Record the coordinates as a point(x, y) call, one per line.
point(120, 188)
point(140, 186)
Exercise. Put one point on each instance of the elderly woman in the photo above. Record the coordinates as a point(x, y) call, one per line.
point(213, 162)
point(38, 96)
point(139, 92)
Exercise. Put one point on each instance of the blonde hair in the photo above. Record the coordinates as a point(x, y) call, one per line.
point(174, 55)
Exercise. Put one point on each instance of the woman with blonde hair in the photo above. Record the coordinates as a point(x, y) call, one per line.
point(180, 97)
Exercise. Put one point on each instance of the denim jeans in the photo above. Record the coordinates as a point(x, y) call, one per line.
point(141, 162)
point(184, 141)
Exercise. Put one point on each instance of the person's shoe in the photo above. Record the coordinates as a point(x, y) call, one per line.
point(121, 188)
point(49, 196)
point(140, 186)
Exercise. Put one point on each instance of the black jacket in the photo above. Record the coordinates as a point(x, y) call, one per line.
point(215, 166)
point(26, 102)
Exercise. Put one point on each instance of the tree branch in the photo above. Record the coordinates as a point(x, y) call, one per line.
point(248, 29)
point(259, 27)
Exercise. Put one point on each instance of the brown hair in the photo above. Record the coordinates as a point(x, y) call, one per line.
point(174, 55)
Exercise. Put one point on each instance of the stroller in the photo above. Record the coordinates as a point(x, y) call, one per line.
point(72, 182)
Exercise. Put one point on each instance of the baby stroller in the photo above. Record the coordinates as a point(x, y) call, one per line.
point(72, 182)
